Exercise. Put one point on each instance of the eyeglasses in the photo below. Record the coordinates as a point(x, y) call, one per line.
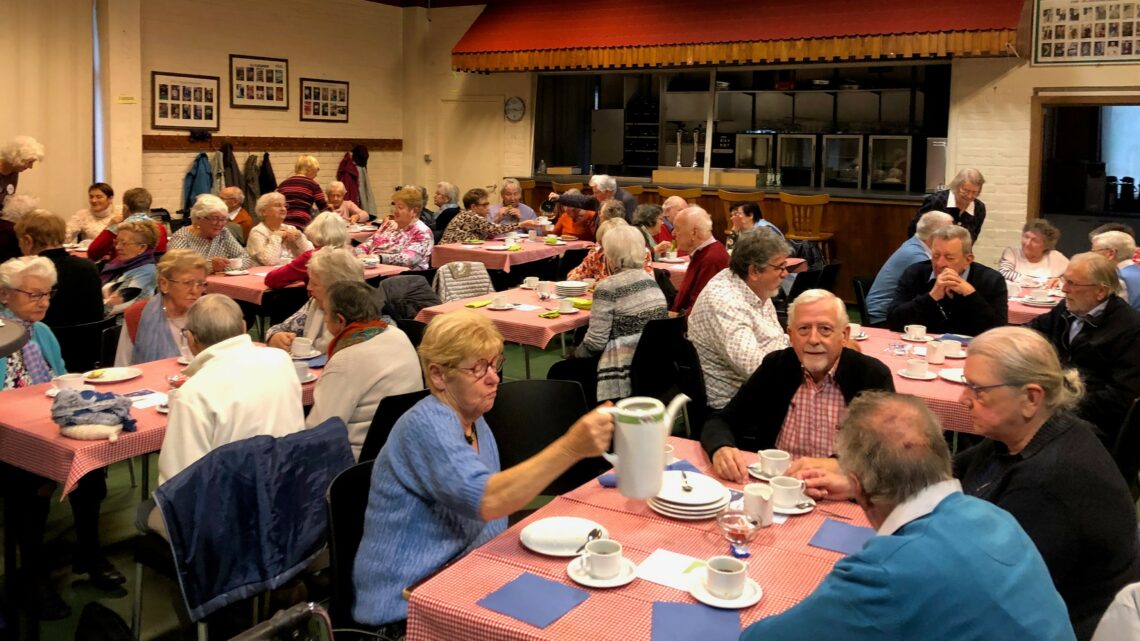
point(824, 330)
point(482, 366)
point(1062, 282)
point(120, 242)
point(782, 266)
point(977, 389)
point(190, 284)
point(215, 220)
point(36, 297)
point(483, 204)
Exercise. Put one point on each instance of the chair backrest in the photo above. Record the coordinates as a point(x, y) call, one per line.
point(665, 363)
point(110, 345)
point(689, 195)
point(82, 345)
point(405, 295)
point(829, 276)
point(519, 436)
point(862, 285)
point(347, 500)
point(729, 197)
point(390, 409)
point(1126, 453)
point(569, 260)
point(634, 190)
point(805, 281)
point(804, 214)
point(559, 188)
point(413, 328)
point(236, 232)
point(462, 279)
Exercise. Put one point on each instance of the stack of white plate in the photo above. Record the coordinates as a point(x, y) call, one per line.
point(704, 499)
point(566, 288)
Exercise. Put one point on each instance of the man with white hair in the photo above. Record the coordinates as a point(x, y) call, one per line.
point(20, 154)
point(796, 398)
point(233, 198)
point(707, 256)
point(669, 210)
point(960, 201)
point(510, 208)
point(1119, 247)
point(605, 188)
point(915, 250)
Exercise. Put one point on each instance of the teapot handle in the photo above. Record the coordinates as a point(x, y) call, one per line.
point(608, 454)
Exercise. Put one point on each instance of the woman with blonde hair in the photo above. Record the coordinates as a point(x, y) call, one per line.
point(301, 192)
point(152, 327)
point(404, 240)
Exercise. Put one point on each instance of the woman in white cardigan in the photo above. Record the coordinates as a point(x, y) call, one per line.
point(1034, 263)
point(272, 242)
point(368, 360)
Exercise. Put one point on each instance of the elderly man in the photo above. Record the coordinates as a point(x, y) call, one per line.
point(960, 201)
point(915, 250)
point(233, 198)
point(669, 210)
point(707, 256)
point(943, 566)
point(236, 390)
point(733, 324)
point(1097, 332)
point(1119, 247)
point(20, 154)
point(510, 209)
point(446, 200)
point(795, 399)
point(605, 188)
point(950, 292)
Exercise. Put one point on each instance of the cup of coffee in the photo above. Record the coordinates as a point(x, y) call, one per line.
point(370, 261)
point(531, 281)
point(936, 352)
point(302, 369)
point(233, 265)
point(545, 289)
point(952, 348)
point(500, 301)
point(302, 346)
point(786, 491)
point(669, 454)
point(774, 462)
point(1040, 296)
point(671, 255)
point(602, 559)
point(915, 331)
point(856, 330)
point(916, 367)
point(566, 306)
point(68, 381)
point(725, 576)
point(758, 502)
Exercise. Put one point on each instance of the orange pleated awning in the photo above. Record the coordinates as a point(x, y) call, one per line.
point(534, 35)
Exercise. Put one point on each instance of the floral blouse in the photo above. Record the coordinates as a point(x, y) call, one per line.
point(410, 247)
point(467, 224)
point(594, 265)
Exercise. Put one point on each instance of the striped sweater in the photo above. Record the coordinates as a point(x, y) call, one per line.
point(300, 193)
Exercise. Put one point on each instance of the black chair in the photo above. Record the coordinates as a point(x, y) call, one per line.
point(110, 344)
point(1126, 452)
point(413, 328)
point(570, 259)
point(665, 364)
point(82, 345)
point(829, 276)
point(391, 408)
point(805, 281)
point(347, 501)
point(519, 436)
point(427, 274)
point(862, 285)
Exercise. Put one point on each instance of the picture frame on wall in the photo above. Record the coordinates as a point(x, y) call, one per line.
point(257, 82)
point(1082, 32)
point(324, 100)
point(184, 101)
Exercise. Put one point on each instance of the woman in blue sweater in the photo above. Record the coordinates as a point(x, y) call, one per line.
point(437, 490)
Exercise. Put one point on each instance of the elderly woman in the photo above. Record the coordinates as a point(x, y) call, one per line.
point(132, 274)
point(472, 223)
point(152, 328)
point(368, 360)
point(207, 235)
point(647, 218)
point(136, 206)
point(302, 192)
point(446, 200)
point(86, 224)
point(78, 287)
point(623, 304)
point(960, 201)
point(437, 489)
point(345, 208)
point(17, 155)
point(328, 229)
point(27, 286)
point(1035, 263)
point(573, 221)
point(272, 242)
point(405, 240)
point(327, 266)
point(745, 215)
point(15, 207)
point(594, 264)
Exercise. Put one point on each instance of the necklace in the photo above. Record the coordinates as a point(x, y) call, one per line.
point(472, 437)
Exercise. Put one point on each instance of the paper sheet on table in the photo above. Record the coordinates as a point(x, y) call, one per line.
point(523, 307)
point(669, 569)
point(144, 398)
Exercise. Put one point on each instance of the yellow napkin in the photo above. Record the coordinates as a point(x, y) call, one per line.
point(514, 248)
point(551, 314)
point(476, 304)
point(582, 303)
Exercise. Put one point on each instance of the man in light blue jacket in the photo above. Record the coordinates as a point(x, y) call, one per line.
point(943, 567)
point(915, 250)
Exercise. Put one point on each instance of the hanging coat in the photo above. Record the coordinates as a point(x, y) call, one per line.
point(267, 182)
point(217, 172)
point(367, 200)
point(252, 186)
point(197, 181)
point(347, 174)
point(230, 168)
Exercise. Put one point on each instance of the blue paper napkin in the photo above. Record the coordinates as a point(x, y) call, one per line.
point(534, 600)
point(318, 362)
point(610, 479)
point(688, 621)
point(841, 537)
point(965, 340)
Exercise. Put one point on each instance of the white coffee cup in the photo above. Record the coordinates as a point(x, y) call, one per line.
point(671, 255)
point(602, 559)
point(302, 369)
point(916, 367)
point(669, 458)
point(371, 261)
point(531, 281)
point(786, 491)
point(566, 306)
point(1040, 296)
point(545, 289)
point(233, 264)
point(532, 235)
point(758, 502)
point(915, 331)
point(935, 352)
point(542, 220)
point(68, 381)
point(725, 576)
point(856, 330)
point(500, 301)
point(952, 348)
point(774, 462)
point(302, 346)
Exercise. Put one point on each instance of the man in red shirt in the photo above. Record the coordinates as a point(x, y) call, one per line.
point(692, 229)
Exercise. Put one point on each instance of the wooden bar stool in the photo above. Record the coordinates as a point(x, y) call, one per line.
point(561, 188)
point(527, 187)
point(729, 197)
point(804, 215)
point(690, 195)
point(634, 190)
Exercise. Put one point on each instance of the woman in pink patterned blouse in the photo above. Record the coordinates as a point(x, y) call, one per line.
point(403, 240)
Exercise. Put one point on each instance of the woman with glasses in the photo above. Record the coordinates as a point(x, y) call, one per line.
point(328, 266)
point(208, 236)
point(472, 222)
point(437, 490)
point(132, 274)
point(1036, 261)
point(152, 328)
point(27, 286)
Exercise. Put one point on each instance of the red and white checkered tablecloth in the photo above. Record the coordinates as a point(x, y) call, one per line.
point(1020, 313)
point(251, 287)
point(786, 568)
point(940, 395)
point(522, 327)
point(31, 441)
point(530, 252)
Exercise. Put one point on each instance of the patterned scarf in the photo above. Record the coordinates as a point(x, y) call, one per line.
point(355, 333)
point(118, 266)
point(153, 340)
point(35, 366)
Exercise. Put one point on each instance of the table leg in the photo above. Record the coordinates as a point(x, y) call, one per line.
point(11, 571)
point(144, 487)
point(526, 359)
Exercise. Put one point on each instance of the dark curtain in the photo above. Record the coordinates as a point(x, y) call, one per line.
point(562, 131)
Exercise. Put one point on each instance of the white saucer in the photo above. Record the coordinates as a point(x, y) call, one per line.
point(961, 354)
point(309, 378)
point(113, 374)
point(751, 595)
point(755, 472)
point(240, 272)
point(573, 311)
point(674, 261)
point(526, 287)
point(578, 574)
point(54, 391)
point(1033, 303)
point(497, 248)
point(500, 309)
point(924, 339)
point(795, 511)
point(561, 242)
point(928, 377)
point(304, 357)
point(182, 360)
point(862, 337)
point(162, 409)
point(952, 374)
